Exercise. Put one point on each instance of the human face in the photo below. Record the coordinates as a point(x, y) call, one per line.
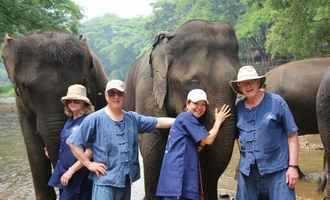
point(74, 105)
point(197, 108)
point(115, 98)
point(249, 88)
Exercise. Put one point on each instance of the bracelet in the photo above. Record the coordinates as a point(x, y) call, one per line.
point(294, 166)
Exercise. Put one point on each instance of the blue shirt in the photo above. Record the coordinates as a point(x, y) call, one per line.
point(263, 134)
point(179, 176)
point(112, 145)
point(66, 160)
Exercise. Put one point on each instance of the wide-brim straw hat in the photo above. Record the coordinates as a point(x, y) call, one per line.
point(246, 73)
point(76, 92)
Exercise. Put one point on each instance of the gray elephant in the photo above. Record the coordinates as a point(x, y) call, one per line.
point(199, 54)
point(42, 66)
point(323, 116)
point(298, 83)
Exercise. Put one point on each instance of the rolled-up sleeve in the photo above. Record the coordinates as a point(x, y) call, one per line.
point(289, 123)
point(84, 135)
point(145, 123)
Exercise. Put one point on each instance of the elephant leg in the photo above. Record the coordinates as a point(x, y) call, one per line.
point(152, 148)
point(323, 119)
point(39, 164)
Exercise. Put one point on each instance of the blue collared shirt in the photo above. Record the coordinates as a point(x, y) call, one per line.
point(66, 159)
point(112, 145)
point(263, 134)
point(179, 176)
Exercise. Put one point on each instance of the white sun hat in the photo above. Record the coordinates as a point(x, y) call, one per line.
point(196, 95)
point(245, 73)
point(76, 92)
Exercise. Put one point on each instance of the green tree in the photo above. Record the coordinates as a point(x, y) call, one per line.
point(301, 28)
point(21, 16)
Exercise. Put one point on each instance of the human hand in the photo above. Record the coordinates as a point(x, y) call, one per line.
point(223, 113)
point(98, 168)
point(65, 178)
point(292, 176)
point(46, 152)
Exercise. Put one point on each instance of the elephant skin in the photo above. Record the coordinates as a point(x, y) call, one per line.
point(42, 66)
point(297, 82)
point(199, 54)
point(323, 119)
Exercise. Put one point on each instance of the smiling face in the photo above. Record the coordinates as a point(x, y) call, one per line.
point(198, 108)
point(115, 99)
point(249, 88)
point(75, 106)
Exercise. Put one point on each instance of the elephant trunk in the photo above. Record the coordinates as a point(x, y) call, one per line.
point(49, 128)
point(215, 158)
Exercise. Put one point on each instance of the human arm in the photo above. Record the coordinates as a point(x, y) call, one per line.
point(98, 168)
point(65, 178)
point(164, 122)
point(220, 116)
point(292, 173)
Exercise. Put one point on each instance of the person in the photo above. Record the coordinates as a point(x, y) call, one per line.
point(69, 174)
point(180, 172)
point(112, 135)
point(268, 141)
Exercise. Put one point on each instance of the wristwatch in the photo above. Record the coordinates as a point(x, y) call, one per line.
point(294, 166)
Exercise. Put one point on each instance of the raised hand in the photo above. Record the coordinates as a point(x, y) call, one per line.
point(223, 113)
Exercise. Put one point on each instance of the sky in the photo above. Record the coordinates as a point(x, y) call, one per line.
point(121, 8)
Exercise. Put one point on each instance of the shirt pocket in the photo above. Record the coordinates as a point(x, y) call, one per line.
point(271, 120)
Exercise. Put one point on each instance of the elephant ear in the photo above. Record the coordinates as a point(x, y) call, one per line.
point(7, 52)
point(159, 62)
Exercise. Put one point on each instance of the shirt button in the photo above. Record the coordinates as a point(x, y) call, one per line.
point(166, 151)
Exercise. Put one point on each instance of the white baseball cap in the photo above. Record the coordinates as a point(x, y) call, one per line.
point(115, 84)
point(196, 95)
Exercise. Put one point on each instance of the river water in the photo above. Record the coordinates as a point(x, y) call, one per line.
point(16, 181)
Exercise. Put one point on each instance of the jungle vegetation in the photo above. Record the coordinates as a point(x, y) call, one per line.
point(269, 31)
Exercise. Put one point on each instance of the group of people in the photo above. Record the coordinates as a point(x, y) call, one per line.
point(98, 154)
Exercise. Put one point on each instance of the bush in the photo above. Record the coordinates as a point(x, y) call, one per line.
point(7, 90)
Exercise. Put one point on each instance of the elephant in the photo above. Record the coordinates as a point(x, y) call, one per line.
point(198, 54)
point(298, 83)
point(41, 66)
point(323, 119)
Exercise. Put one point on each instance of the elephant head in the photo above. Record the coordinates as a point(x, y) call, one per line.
point(199, 54)
point(42, 66)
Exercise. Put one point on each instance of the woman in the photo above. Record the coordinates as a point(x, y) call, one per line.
point(69, 174)
point(180, 176)
point(268, 141)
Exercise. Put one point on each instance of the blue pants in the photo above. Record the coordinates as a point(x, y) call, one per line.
point(173, 198)
point(266, 187)
point(69, 193)
point(105, 192)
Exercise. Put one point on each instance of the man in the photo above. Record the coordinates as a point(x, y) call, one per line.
point(268, 141)
point(112, 134)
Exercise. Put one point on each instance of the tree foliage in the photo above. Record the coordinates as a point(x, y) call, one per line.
point(21, 16)
point(117, 41)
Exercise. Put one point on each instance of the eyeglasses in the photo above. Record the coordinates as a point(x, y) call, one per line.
point(73, 101)
point(112, 93)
